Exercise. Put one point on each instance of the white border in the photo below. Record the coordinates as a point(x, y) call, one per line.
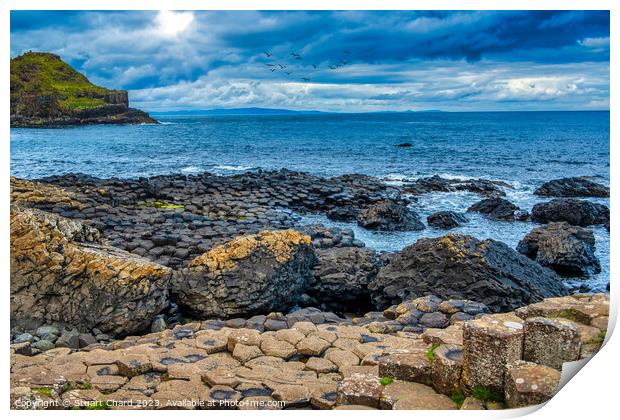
point(592, 394)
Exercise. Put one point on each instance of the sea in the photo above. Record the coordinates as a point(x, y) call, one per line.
point(523, 149)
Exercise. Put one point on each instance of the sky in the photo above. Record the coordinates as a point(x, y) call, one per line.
point(339, 61)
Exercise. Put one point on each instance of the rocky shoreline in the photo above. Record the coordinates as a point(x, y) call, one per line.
point(126, 265)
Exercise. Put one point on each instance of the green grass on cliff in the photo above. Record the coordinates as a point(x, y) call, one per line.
point(46, 74)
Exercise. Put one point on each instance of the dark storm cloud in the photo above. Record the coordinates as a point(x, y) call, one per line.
point(142, 50)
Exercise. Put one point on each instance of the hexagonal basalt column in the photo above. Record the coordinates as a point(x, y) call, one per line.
point(446, 368)
point(488, 345)
point(551, 342)
point(527, 383)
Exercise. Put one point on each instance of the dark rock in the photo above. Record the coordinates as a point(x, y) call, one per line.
point(498, 209)
point(446, 219)
point(404, 145)
point(576, 212)
point(389, 216)
point(249, 275)
point(434, 320)
point(566, 249)
point(341, 278)
point(572, 187)
point(463, 267)
point(436, 183)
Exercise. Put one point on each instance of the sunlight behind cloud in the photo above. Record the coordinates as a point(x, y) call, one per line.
point(172, 23)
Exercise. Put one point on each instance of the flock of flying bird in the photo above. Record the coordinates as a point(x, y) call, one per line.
point(297, 58)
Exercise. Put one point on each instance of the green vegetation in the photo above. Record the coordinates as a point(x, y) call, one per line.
point(486, 394)
point(36, 75)
point(457, 396)
point(601, 336)
point(386, 380)
point(47, 391)
point(568, 314)
point(87, 385)
point(162, 205)
point(430, 354)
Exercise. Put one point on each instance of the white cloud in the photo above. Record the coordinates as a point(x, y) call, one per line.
point(172, 23)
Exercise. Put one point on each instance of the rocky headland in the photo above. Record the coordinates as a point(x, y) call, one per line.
point(47, 92)
point(210, 288)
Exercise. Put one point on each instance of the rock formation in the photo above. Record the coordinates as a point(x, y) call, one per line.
point(389, 216)
point(446, 220)
point(248, 275)
point(45, 91)
point(461, 266)
point(341, 278)
point(572, 187)
point(566, 249)
point(498, 209)
point(61, 272)
point(576, 212)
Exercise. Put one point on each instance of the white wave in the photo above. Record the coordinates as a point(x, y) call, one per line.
point(232, 167)
point(167, 123)
point(190, 169)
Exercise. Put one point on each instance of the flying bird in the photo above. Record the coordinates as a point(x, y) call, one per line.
point(281, 66)
point(267, 53)
point(346, 52)
point(315, 66)
point(270, 65)
point(305, 79)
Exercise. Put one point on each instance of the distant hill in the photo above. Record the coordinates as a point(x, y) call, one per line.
point(234, 111)
point(46, 91)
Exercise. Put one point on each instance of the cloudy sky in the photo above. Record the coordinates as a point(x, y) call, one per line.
point(365, 61)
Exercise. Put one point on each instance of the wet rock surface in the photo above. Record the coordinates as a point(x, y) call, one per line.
point(572, 187)
point(576, 212)
point(446, 220)
point(438, 184)
point(389, 216)
point(567, 249)
point(462, 266)
point(499, 209)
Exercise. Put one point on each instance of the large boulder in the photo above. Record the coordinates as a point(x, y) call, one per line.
point(566, 249)
point(248, 275)
point(463, 267)
point(341, 278)
point(572, 187)
point(446, 220)
point(389, 215)
point(60, 272)
point(576, 212)
point(498, 209)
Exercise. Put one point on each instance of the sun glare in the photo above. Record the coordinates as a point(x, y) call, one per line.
point(172, 23)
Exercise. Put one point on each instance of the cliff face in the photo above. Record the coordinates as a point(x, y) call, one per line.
point(45, 91)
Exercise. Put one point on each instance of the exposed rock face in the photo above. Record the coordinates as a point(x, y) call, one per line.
point(461, 266)
point(576, 212)
point(37, 100)
point(446, 219)
point(566, 249)
point(249, 275)
point(436, 183)
point(341, 278)
point(498, 209)
point(389, 216)
point(59, 272)
point(572, 187)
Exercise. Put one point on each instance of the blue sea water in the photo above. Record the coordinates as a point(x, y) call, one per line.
point(523, 149)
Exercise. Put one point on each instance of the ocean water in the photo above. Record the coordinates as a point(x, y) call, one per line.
point(523, 149)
